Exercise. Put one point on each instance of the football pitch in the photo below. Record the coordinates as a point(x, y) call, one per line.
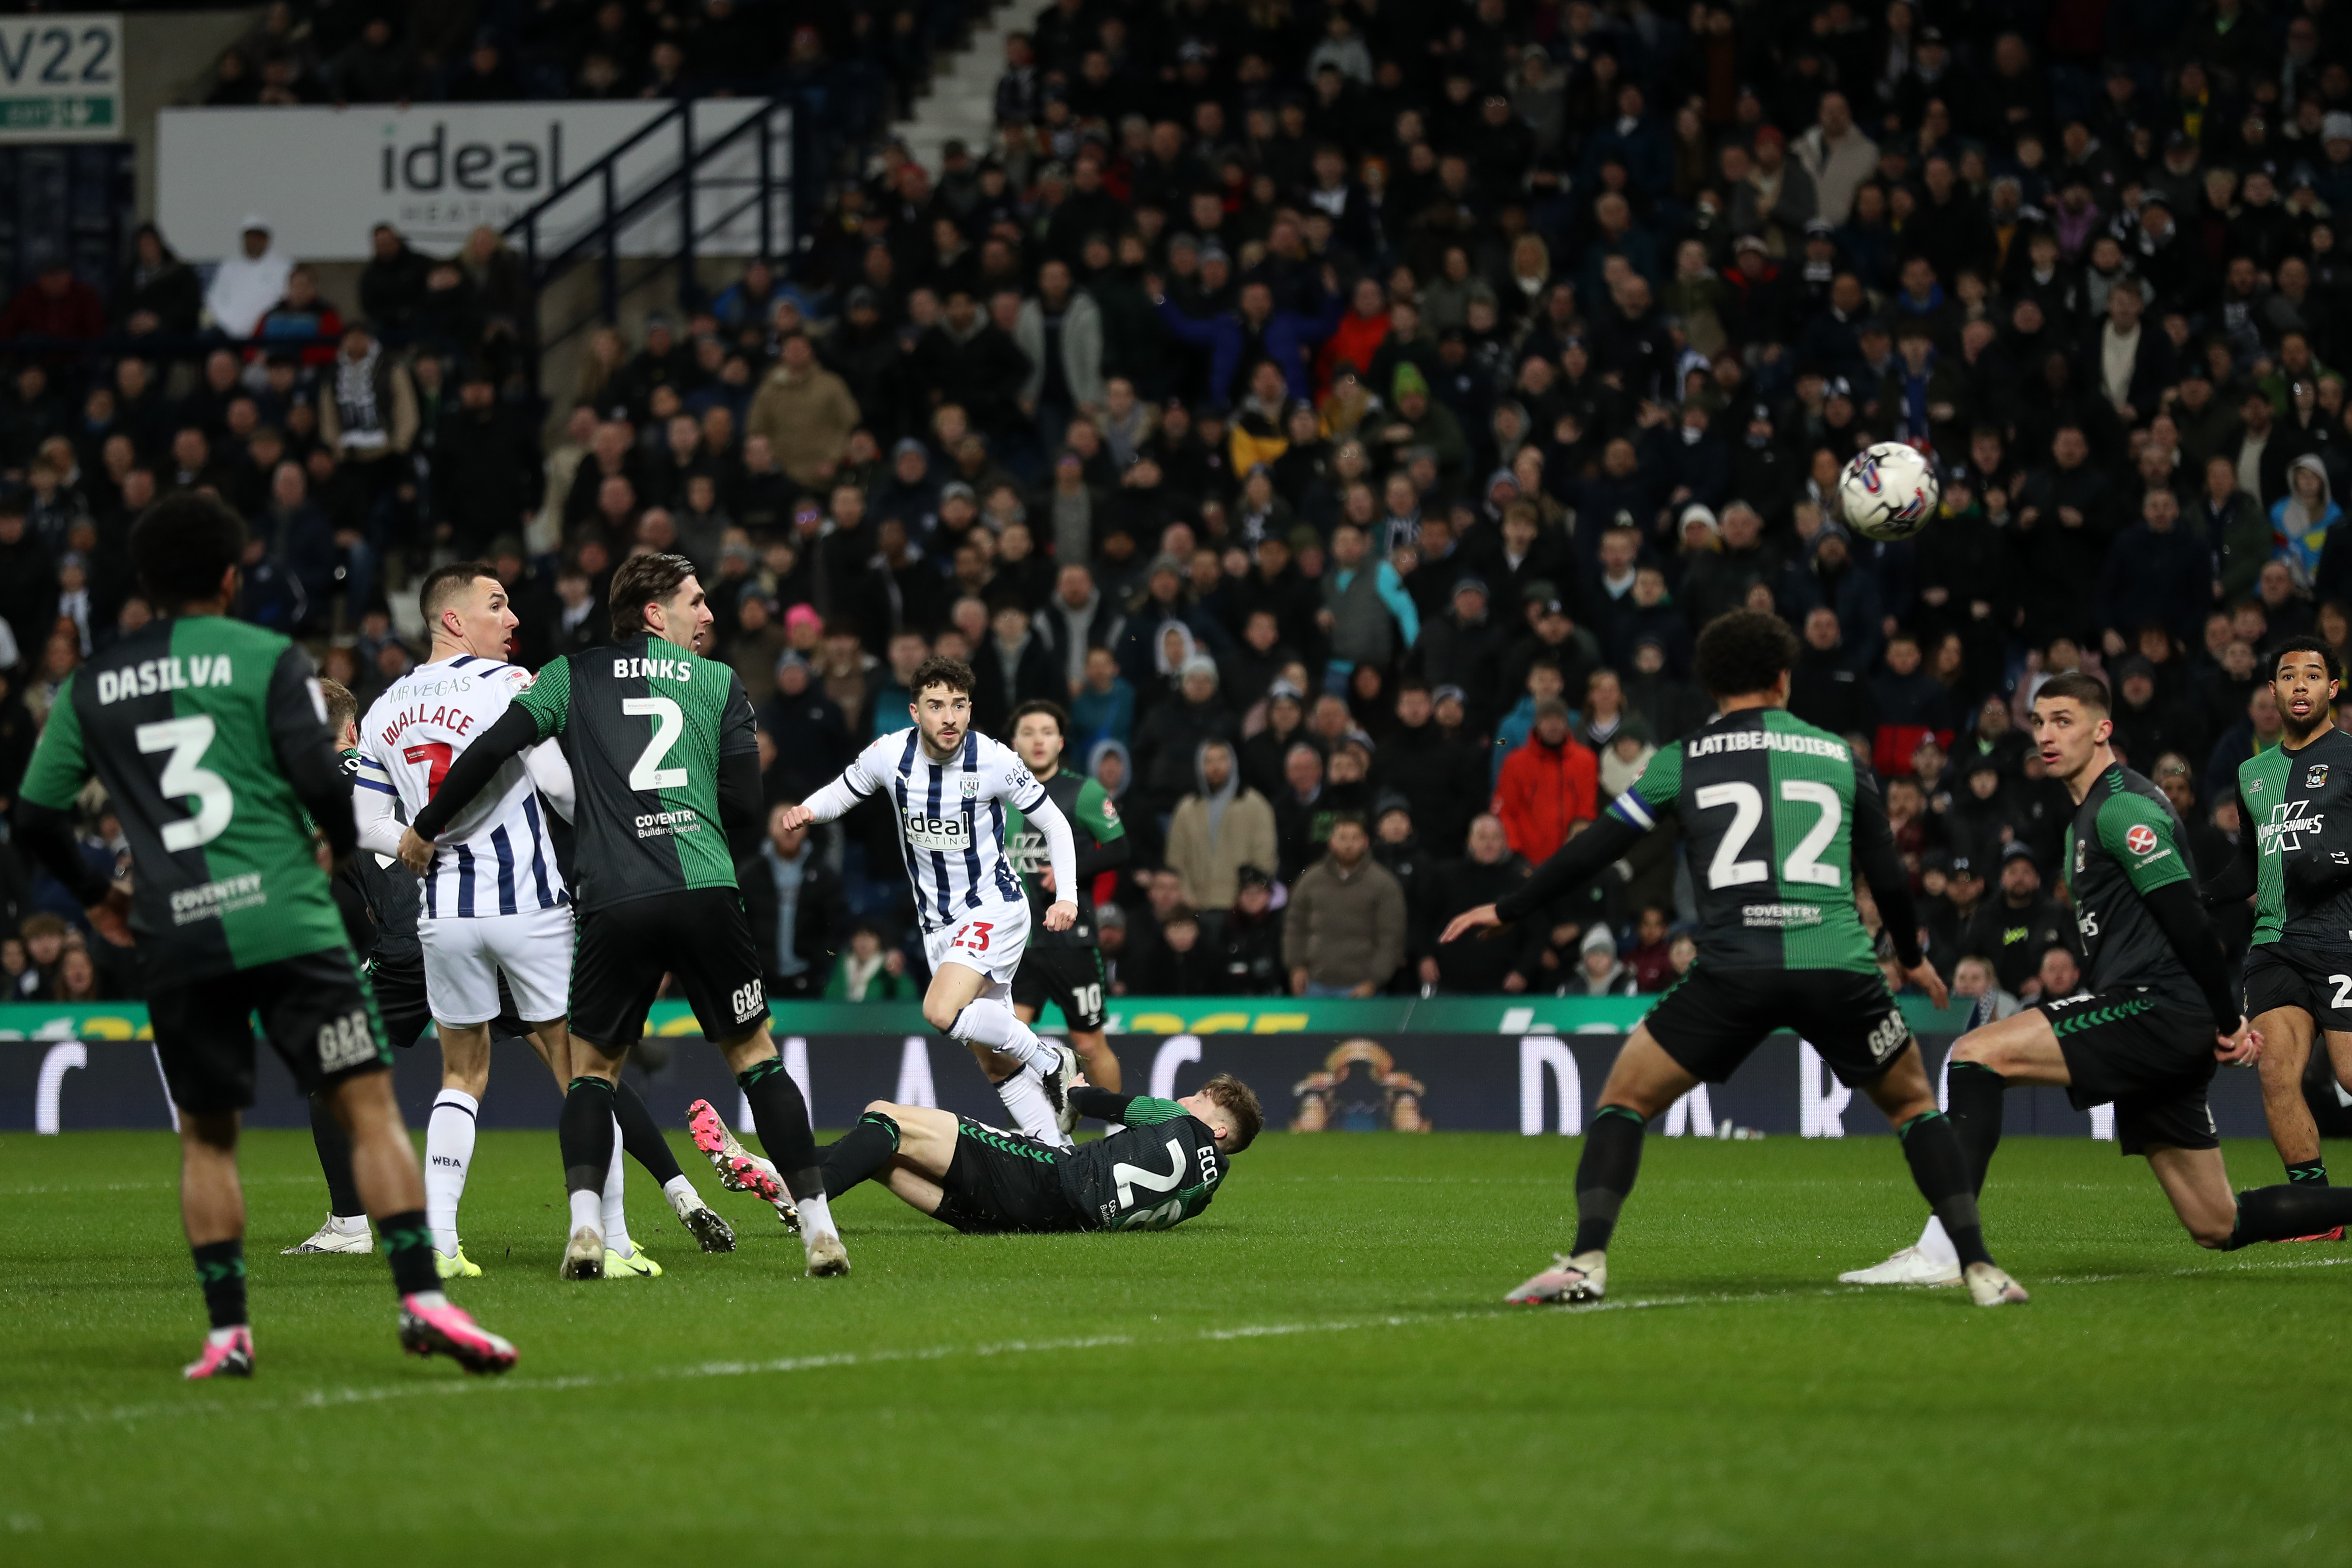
point(1319, 1369)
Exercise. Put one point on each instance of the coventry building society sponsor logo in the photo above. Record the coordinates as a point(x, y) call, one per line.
point(1781, 916)
point(661, 824)
point(211, 900)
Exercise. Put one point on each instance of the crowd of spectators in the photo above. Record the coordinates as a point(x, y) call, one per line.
point(1349, 412)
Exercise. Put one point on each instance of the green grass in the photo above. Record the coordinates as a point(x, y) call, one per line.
point(1317, 1370)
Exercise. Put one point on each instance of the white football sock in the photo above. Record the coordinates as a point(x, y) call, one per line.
point(816, 1218)
point(681, 1194)
point(990, 1023)
point(588, 1210)
point(1934, 1244)
point(1024, 1101)
point(426, 1301)
point(225, 1337)
point(448, 1152)
point(348, 1223)
point(615, 1214)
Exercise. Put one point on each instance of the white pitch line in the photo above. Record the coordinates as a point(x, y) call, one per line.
point(328, 1398)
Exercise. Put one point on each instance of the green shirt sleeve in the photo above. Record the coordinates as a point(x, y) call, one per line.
point(1655, 792)
point(548, 699)
point(1097, 812)
point(2139, 834)
point(59, 767)
point(1143, 1111)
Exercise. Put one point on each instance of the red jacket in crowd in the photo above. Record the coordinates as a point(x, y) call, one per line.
point(1543, 791)
point(43, 310)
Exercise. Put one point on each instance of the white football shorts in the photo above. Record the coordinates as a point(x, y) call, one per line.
point(464, 955)
point(989, 939)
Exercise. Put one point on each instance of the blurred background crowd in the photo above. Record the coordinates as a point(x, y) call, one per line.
point(1348, 411)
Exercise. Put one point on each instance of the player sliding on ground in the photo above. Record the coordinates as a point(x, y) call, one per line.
point(2158, 1017)
point(949, 788)
point(1777, 818)
point(666, 766)
point(2294, 857)
point(1161, 1170)
point(211, 737)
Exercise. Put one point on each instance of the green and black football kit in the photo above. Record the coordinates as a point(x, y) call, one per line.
point(2294, 856)
point(1778, 818)
point(1065, 968)
point(210, 735)
point(666, 766)
point(2143, 1038)
point(1160, 1171)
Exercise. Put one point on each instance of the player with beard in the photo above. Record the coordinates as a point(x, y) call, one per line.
point(2158, 1015)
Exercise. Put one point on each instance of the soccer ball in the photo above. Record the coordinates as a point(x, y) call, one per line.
point(1889, 492)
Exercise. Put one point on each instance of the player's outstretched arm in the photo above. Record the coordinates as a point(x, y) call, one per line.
point(1880, 864)
point(1061, 853)
point(834, 800)
point(1577, 861)
point(517, 729)
point(372, 810)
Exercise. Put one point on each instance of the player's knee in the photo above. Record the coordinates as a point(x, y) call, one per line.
point(2212, 1239)
point(940, 1013)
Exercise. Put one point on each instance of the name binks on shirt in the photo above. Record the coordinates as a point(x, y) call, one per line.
point(653, 669)
point(149, 676)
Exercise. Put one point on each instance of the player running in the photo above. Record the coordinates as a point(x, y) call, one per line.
point(1781, 817)
point(2299, 871)
point(1160, 1170)
point(666, 763)
point(2159, 1015)
point(386, 930)
point(211, 738)
point(950, 788)
point(1064, 968)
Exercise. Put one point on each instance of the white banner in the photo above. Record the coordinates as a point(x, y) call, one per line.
point(61, 79)
point(325, 177)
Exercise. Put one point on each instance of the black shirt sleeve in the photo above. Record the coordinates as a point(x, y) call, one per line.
point(1103, 857)
point(2238, 880)
point(47, 836)
point(516, 731)
point(1100, 1104)
point(1877, 862)
point(2181, 916)
point(739, 816)
point(306, 751)
point(1577, 861)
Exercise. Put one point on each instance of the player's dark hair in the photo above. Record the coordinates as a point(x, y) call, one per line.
point(183, 546)
point(2086, 689)
point(644, 580)
point(1239, 1102)
point(2306, 643)
point(443, 585)
point(342, 708)
point(938, 670)
point(1038, 705)
point(1742, 652)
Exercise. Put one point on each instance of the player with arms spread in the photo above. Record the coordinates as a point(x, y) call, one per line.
point(1064, 968)
point(1778, 818)
point(950, 788)
point(666, 770)
point(2159, 1014)
point(2294, 857)
point(1160, 1170)
point(210, 735)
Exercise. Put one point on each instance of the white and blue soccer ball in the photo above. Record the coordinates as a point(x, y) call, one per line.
point(1889, 492)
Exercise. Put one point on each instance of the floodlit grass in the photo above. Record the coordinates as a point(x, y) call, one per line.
point(1317, 1370)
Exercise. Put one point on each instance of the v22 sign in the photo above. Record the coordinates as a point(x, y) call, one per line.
point(61, 79)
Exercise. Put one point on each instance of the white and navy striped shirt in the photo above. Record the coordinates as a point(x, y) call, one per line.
point(496, 858)
point(950, 817)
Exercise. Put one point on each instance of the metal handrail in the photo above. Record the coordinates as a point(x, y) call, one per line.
point(615, 215)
